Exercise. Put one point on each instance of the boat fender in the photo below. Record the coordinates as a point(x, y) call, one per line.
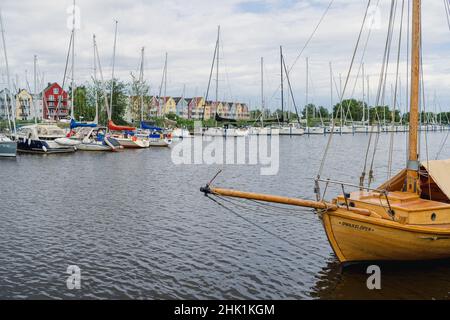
point(29, 138)
point(134, 139)
point(44, 148)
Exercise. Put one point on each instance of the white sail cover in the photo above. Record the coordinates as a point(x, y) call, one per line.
point(439, 170)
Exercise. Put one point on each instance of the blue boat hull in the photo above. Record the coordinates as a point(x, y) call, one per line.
point(40, 146)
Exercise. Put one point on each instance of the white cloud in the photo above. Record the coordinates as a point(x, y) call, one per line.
point(187, 31)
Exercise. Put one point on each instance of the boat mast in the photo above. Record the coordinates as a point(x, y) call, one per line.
point(35, 88)
point(413, 158)
point(12, 100)
point(306, 98)
point(217, 68)
point(141, 83)
point(282, 89)
point(73, 63)
point(363, 95)
point(95, 80)
point(262, 92)
point(331, 92)
point(113, 69)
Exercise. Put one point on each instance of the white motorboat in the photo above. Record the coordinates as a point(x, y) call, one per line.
point(291, 131)
point(42, 138)
point(315, 130)
point(95, 139)
point(179, 133)
point(226, 132)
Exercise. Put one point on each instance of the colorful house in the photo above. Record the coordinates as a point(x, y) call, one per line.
point(55, 101)
point(182, 107)
point(197, 107)
point(169, 105)
point(24, 105)
point(5, 104)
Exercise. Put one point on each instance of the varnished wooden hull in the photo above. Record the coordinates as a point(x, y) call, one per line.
point(356, 238)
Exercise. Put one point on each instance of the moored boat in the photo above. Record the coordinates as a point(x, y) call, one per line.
point(8, 148)
point(41, 138)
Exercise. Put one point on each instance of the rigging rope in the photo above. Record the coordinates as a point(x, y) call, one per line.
point(306, 43)
point(379, 97)
point(447, 11)
point(330, 138)
point(391, 143)
point(221, 204)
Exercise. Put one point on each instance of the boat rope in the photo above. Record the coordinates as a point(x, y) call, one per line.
point(379, 99)
point(330, 138)
point(306, 44)
point(424, 102)
point(246, 219)
point(391, 142)
point(223, 205)
point(447, 11)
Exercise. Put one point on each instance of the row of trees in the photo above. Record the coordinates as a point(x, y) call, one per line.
point(352, 110)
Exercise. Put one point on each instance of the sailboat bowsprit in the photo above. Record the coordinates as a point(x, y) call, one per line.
point(405, 219)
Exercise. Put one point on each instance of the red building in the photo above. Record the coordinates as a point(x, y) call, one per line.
point(55, 102)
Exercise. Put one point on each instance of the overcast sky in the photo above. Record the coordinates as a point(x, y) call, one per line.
point(250, 30)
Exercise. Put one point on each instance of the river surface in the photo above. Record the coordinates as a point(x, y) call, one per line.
point(138, 227)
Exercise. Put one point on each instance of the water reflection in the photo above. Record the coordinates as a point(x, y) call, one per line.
point(414, 280)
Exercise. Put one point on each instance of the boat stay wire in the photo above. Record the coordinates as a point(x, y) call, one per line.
point(379, 99)
point(237, 214)
point(391, 142)
point(330, 138)
point(306, 43)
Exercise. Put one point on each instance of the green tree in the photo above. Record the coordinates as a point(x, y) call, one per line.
point(83, 107)
point(351, 109)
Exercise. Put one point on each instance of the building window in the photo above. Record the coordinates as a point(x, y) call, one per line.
point(55, 91)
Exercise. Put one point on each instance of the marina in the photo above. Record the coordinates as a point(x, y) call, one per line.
point(133, 169)
point(157, 247)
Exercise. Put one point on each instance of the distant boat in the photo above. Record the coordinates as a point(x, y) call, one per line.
point(8, 148)
point(95, 139)
point(291, 130)
point(226, 132)
point(178, 133)
point(43, 138)
point(264, 131)
point(315, 130)
point(155, 135)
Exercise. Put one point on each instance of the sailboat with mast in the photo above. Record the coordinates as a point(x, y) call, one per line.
point(405, 219)
point(8, 148)
point(227, 130)
point(155, 135)
point(287, 128)
point(125, 135)
point(262, 129)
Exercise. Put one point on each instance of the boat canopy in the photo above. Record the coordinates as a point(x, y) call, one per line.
point(115, 127)
point(146, 126)
point(74, 124)
point(435, 177)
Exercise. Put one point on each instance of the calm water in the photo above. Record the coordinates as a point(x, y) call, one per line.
point(138, 227)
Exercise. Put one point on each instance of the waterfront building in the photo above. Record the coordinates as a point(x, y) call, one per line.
point(55, 102)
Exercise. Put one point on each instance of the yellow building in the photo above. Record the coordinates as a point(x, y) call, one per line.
point(196, 107)
point(24, 102)
point(169, 105)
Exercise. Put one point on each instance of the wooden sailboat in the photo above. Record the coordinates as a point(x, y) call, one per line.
point(399, 221)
